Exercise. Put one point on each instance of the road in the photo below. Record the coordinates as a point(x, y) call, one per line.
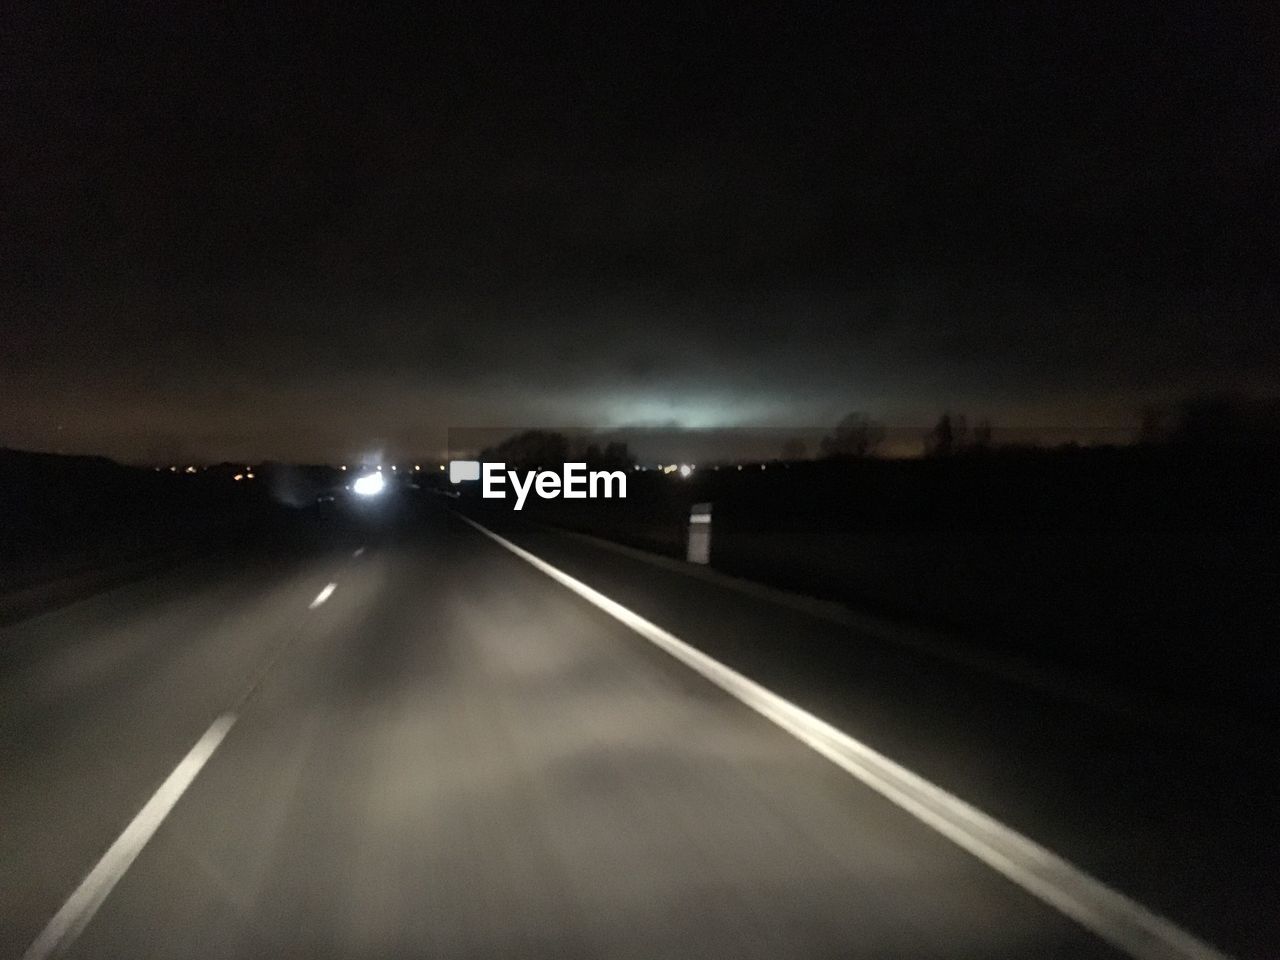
point(403, 739)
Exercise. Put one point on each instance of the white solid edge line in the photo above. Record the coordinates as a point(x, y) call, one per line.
point(323, 595)
point(1121, 921)
point(70, 921)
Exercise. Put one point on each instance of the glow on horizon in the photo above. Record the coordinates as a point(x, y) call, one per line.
point(692, 413)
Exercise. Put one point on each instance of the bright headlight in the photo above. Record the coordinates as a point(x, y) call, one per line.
point(369, 485)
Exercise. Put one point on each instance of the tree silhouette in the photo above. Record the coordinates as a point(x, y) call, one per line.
point(614, 456)
point(982, 435)
point(941, 440)
point(857, 435)
point(530, 450)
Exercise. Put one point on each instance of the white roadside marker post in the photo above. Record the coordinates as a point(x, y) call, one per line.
point(699, 550)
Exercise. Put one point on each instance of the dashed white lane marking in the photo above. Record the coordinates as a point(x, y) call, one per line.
point(70, 921)
point(359, 550)
point(323, 595)
point(1111, 915)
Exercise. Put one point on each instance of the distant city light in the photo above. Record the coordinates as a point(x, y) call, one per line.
point(685, 470)
point(190, 470)
point(343, 467)
point(238, 476)
point(248, 476)
point(416, 468)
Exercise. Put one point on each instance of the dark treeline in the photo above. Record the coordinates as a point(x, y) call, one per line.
point(548, 449)
point(1215, 420)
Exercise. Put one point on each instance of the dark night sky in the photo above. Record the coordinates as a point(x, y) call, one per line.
point(255, 234)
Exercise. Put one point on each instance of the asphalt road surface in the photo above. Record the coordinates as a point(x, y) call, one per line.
point(388, 734)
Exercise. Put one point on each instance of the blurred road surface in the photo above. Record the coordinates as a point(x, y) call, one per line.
point(432, 749)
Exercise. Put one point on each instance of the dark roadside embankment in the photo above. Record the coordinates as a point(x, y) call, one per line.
point(1154, 568)
point(75, 525)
